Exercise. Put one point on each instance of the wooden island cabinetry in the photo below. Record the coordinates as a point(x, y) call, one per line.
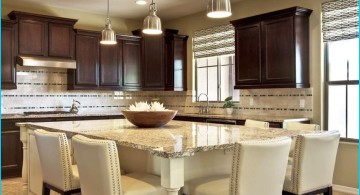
point(272, 50)
point(44, 36)
point(8, 53)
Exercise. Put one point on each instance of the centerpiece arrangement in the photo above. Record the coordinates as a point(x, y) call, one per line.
point(143, 114)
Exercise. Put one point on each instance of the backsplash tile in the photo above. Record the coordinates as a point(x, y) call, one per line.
point(45, 89)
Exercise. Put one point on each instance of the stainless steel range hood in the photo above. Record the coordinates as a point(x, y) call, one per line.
point(45, 62)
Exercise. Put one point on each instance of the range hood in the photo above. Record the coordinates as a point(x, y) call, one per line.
point(45, 62)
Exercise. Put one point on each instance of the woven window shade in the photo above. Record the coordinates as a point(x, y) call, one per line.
point(214, 41)
point(340, 20)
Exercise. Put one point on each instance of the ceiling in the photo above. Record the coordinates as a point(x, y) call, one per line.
point(167, 9)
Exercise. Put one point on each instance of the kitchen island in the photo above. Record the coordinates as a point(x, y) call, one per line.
point(177, 151)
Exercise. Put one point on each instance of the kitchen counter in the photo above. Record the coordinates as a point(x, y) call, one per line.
point(174, 140)
point(178, 151)
point(211, 116)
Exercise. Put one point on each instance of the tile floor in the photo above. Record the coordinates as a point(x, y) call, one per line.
point(13, 187)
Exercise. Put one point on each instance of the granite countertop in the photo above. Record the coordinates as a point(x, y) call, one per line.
point(174, 140)
point(213, 116)
point(21, 116)
point(244, 117)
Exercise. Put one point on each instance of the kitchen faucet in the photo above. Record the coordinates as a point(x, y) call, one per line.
point(203, 110)
point(74, 109)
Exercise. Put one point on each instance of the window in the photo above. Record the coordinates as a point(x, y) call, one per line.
point(342, 85)
point(214, 62)
point(340, 34)
point(215, 77)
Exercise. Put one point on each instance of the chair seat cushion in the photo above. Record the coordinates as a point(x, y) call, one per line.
point(141, 184)
point(213, 185)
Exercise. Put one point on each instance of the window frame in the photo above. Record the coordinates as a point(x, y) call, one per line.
point(328, 83)
point(218, 66)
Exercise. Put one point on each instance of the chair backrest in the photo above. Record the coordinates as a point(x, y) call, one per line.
point(314, 161)
point(55, 160)
point(98, 164)
point(258, 124)
point(259, 167)
point(301, 126)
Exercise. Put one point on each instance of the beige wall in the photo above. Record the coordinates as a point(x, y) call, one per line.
point(86, 20)
point(347, 162)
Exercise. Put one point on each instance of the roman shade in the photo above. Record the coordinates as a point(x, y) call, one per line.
point(214, 41)
point(340, 20)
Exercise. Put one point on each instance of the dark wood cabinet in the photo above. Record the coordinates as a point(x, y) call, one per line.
point(272, 49)
point(130, 53)
point(175, 61)
point(8, 53)
point(61, 40)
point(110, 69)
point(86, 75)
point(152, 61)
point(44, 36)
point(11, 149)
point(164, 60)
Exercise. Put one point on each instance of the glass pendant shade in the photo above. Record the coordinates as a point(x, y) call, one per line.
point(108, 36)
point(152, 23)
point(219, 9)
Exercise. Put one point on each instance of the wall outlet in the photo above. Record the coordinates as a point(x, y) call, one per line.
point(302, 103)
point(251, 101)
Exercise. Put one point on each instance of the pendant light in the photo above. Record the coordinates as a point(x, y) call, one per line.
point(152, 23)
point(219, 9)
point(108, 36)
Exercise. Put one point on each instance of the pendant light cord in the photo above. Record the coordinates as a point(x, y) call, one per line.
point(107, 13)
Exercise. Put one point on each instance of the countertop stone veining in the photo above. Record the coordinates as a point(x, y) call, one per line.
point(174, 140)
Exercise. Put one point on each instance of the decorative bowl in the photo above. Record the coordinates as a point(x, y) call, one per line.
point(149, 118)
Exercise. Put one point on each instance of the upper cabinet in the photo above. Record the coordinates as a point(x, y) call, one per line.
point(130, 58)
point(8, 53)
point(164, 60)
point(272, 50)
point(175, 61)
point(86, 75)
point(115, 67)
point(45, 36)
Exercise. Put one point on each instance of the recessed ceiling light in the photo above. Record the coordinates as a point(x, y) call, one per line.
point(141, 2)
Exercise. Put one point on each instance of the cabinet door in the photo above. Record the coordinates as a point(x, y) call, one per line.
point(169, 62)
point(278, 55)
point(61, 41)
point(153, 69)
point(8, 66)
point(87, 61)
point(32, 38)
point(109, 66)
point(131, 54)
point(180, 63)
point(248, 58)
point(11, 150)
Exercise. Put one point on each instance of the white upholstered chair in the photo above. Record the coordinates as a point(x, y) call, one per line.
point(258, 124)
point(313, 166)
point(298, 126)
point(258, 168)
point(57, 170)
point(99, 171)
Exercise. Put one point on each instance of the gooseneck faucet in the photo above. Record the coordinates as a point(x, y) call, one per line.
point(202, 110)
point(74, 109)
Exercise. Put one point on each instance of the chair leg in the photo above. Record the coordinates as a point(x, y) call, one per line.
point(329, 191)
point(45, 190)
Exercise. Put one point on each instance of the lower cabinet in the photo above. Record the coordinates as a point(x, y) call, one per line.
point(12, 147)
